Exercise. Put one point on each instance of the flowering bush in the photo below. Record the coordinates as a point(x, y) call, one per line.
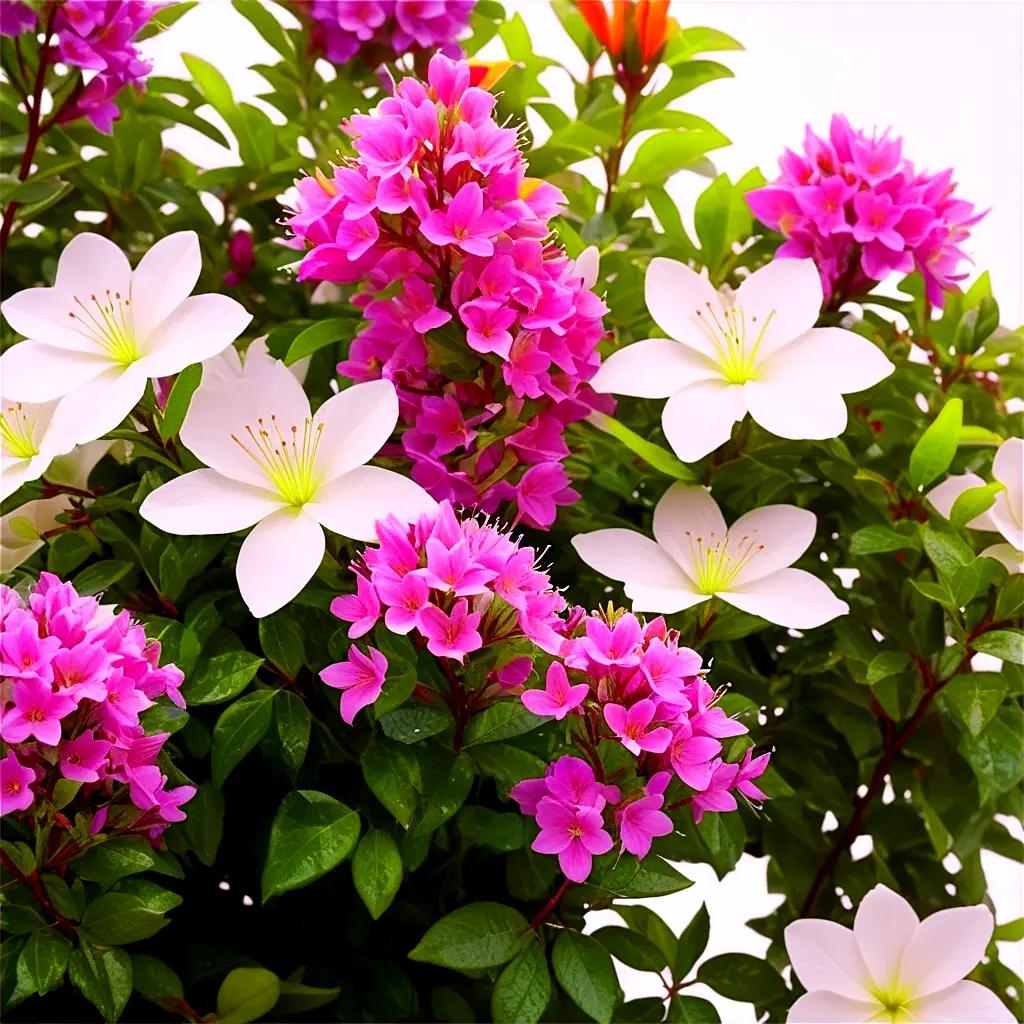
point(472, 554)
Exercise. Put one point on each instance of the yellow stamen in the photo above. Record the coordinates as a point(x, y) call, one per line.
point(737, 357)
point(107, 322)
point(288, 460)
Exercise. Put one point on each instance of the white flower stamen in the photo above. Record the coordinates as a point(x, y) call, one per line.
point(717, 562)
point(736, 355)
point(107, 322)
point(17, 432)
point(289, 462)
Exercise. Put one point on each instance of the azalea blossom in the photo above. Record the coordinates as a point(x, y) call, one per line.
point(756, 351)
point(102, 330)
point(360, 678)
point(28, 443)
point(1006, 515)
point(558, 697)
point(892, 966)
point(694, 556)
point(275, 465)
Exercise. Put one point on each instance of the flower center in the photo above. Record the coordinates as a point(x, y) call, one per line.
point(735, 352)
point(894, 1002)
point(107, 322)
point(17, 430)
point(12, 787)
point(288, 456)
point(575, 832)
point(717, 563)
point(36, 715)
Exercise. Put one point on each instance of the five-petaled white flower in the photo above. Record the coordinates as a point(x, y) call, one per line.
point(288, 472)
point(754, 351)
point(1006, 515)
point(28, 443)
point(695, 557)
point(892, 966)
point(102, 330)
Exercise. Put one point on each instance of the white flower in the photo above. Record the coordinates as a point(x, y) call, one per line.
point(28, 443)
point(290, 473)
point(103, 329)
point(232, 364)
point(1006, 515)
point(891, 966)
point(695, 557)
point(756, 351)
point(588, 265)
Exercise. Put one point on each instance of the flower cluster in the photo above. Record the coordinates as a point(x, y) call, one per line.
point(379, 30)
point(630, 684)
point(76, 677)
point(457, 586)
point(98, 37)
point(487, 330)
point(856, 206)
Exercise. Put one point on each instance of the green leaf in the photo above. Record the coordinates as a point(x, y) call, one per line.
point(523, 989)
point(586, 973)
point(474, 937)
point(154, 979)
point(178, 400)
point(412, 724)
point(103, 976)
point(1010, 931)
point(973, 502)
point(204, 825)
point(1007, 644)
point(246, 994)
point(501, 721)
point(100, 575)
point(633, 878)
point(393, 775)
point(222, 677)
point(377, 871)
point(318, 336)
point(43, 960)
point(975, 697)
point(665, 153)
point(657, 457)
point(631, 948)
point(994, 756)
point(742, 977)
point(298, 998)
point(691, 1010)
point(936, 447)
point(116, 918)
point(875, 540)
point(281, 640)
point(36, 190)
point(115, 859)
point(292, 724)
point(262, 19)
point(885, 664)
point(240, 727)
point(692, 944)
point(720, 218)
point(311, 834)
point(446, 784)
point(947, 552)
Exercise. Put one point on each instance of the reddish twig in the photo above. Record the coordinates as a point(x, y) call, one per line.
point(545, 912)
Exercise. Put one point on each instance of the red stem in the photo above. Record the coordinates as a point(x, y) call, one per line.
point(545, 912)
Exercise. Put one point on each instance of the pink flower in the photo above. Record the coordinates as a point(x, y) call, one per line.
point(631, 727)
point(690, 756)
point(148, 791)
point(37, 712)
point(361, 678)
point(453, 569)
point(15, 785)
point(387, 149)
point(751, 768)
point(614, 645)
point(515, 672)
point(576, 834)
point(528, 794)
point(23, 654)
point(558, 697)
point(362, 608)
point(81, 670)
point(405, 598)
point(572, 780)
point(716, 796)
point(877, 217)
point(486, 322)
point(540, 491)
point(82, 757)
point(464, 222)
point(642, 820)
point(451, 636)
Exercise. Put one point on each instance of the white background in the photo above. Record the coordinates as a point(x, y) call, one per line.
point(945, 76)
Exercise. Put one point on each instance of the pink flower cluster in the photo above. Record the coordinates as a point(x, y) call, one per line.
point(486, 328)
point(96, 36)
point(75, 678)
point(630, 684)
point(856, 206)
point(384, 29)
point(456, 586)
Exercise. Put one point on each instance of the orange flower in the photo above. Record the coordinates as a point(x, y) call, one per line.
point(485, 73)
point(635, 26)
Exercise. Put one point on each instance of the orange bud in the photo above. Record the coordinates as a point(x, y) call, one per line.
point(595, 15)
point(617, 29)
point(486, 73)
point(655, 31)
point(326, 184)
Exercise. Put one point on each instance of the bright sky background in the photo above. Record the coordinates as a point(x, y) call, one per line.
point(946, 76)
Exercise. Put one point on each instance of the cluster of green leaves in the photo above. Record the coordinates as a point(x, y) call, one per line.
point(376, 872)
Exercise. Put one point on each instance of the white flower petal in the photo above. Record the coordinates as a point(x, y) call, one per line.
point(675, 294)
point(1005, 515)
point(164, 278)
point(74, 467)
point(19, 471)
point(631, 558)
point(796, 411)
point(35, 372)
point(664, 600)
point(779, 533)
point(945, 947)
point(42, 314)
point(90, 264)
point(278, 559)
point(699, 419)
point(790, 597)
point(825, 956)
point(683, 513)
point(783, 299)
point(964, 1001)
point(820, 1007)
point(1011, 557)
point(97, 407)
point(352, 503)
point(357, 423)
point(588, 264)
point(944, 496)
point(656, 368)
point(199, 327)
point(203, 502)
point(1008, 465)
point(831, 356)
point(883, 926)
